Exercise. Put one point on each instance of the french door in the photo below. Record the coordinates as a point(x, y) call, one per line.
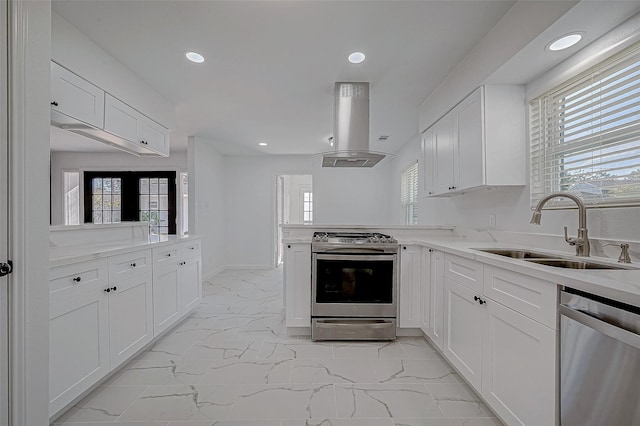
point(4, 209)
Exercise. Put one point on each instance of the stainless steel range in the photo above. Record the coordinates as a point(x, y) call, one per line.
point(354, 286)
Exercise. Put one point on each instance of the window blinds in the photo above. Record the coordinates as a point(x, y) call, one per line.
point(409, 193)
point(585, 135)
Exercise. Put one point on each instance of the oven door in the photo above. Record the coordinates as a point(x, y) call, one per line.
point(354, 285)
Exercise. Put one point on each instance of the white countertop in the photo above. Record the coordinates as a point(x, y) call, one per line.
point(71, 254)
point(621, 285)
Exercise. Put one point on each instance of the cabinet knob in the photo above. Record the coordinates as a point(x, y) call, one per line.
point(453, 187)
point(144, 143)
point(288, 245)
point(133, 265)
point(431, 250)
point(168, 254)
point(404, 247)
point(54, 103)
point(476, 298)
point(114, 288)
point(107, 290)
point(482, 302)
point(77, 279)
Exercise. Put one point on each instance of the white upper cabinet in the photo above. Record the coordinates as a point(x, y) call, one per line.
point(123, 121)
point(479, 143)
point(75, 97)
point(85, 109)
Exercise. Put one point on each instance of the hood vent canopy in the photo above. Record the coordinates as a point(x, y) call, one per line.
point(351, 128)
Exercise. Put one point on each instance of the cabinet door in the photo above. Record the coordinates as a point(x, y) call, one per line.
point(297, 282)
point(76, 97)
point(130, 317)
point(519, 366)
point(154, 136)
point(425, 290)
point(436, 296)
point(470, 141)
point(409, 301)
point(121, 120)
point(78, 345)
point(429, 161)
point(190, 286)
point(166, 306)
point(464, 323)
point(444, 140)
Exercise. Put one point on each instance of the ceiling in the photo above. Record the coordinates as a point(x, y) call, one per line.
point(271, 65)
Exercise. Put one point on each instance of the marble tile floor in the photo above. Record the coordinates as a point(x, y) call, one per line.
point(231, 363)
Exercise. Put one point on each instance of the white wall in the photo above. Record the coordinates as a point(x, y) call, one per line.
point(68, 161)
point(75, 51)
point(352, 195)
point(207, 213)
point(29, 38)
point(250, 205)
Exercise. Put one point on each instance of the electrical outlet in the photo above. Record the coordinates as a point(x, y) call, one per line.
point(492, 221)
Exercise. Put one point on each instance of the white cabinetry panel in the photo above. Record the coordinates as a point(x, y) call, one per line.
point(190, 284)
point(297, 279)
point(519, 367)
point(409, 300)
point(130, 317)
point(129, 265)
point(425, 290)
point(78, 333)
point(166, 307)
point(470, 155)
point(436, 315)
point(466, 272)
point(465, 320)
point(75, 97)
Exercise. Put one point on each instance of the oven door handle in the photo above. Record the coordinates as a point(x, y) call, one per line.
point(359, 324)
point(363, 250)
point(356, 256)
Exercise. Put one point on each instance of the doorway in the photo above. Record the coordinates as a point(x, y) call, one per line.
point(294, 205)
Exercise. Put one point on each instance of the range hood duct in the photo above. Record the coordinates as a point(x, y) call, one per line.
point(351, 128)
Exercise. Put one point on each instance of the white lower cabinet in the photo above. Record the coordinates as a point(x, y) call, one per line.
point(297, 283)
point(425, 290)
point(409, 310)
point(518, 375)
point(464, 322)
point(101, 312)
point(436, 299)
point(176, 283)
point(130, 317)
point(78, 330)
point(508, 357)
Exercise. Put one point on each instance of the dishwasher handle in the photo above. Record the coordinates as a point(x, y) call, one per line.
point(615, 332)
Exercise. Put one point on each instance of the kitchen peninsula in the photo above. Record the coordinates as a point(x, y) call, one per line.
point(111, 298)
point(494, 318)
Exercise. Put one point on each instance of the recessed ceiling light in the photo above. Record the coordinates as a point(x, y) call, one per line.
point(262, 144)
point(356, 57)
point(195, 57)
point(565, 41)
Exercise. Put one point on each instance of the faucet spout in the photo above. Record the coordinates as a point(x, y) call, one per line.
point(582, 240)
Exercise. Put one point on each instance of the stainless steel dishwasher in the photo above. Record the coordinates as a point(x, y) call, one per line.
point(599, 361)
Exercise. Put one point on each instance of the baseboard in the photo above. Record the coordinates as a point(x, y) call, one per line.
point(409, 332)
point(248, 267)
point(212, 274)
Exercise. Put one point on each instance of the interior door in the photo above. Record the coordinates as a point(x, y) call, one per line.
point(4, 209)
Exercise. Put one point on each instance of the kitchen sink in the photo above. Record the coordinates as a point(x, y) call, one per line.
point(551, 259)
point(519, 254)
point(573, 264)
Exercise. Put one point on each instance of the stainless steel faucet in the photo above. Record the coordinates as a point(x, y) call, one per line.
point(582, 240)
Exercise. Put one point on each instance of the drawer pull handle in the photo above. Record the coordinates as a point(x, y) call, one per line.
point(77, 279)
point(133, 265)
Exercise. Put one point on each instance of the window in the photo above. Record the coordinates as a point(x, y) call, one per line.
point(585, 135)
point(307, 207)
point(409, 194)
point(106, 199)
point(71, 182)
point(111, 197)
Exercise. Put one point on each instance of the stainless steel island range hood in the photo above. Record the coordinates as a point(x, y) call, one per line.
point(351, 128)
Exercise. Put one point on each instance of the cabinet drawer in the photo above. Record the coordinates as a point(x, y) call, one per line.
point(463, 271)
point(191, 249)
point(86, 275)
point(531, 297)
point(168, 255)
point(129, 265)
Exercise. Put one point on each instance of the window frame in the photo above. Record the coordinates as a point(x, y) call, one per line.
point(409, 192)
point(550, 146)
point(130, 202)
